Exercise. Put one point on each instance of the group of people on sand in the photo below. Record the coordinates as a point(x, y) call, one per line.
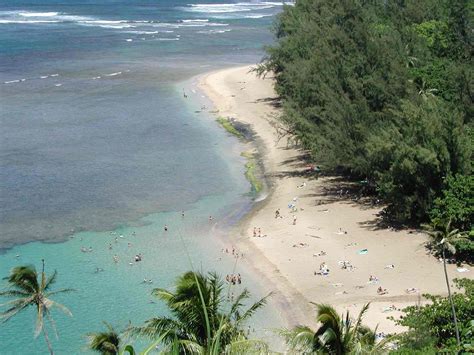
point(234, 279)
point(233, 251)
point(257, 232)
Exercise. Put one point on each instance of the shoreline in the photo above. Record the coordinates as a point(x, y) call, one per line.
point(286, 259)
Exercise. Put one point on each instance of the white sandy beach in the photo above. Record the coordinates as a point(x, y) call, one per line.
point(285, 254)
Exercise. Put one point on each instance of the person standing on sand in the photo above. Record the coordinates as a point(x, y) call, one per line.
point(254, 232)
point(294, 220)
point(277, 213)
point(166, 228)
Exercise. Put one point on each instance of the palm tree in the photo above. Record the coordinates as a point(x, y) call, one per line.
point(203, 322)
point(31, 289)
point(336, 335)
point(443, 238)
point(106, 343)
point(424, 91)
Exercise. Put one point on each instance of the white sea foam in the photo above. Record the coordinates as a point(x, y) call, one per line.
point(30, 17)
point(44, 77)
point(222, 8)
point(195, 20)
point(215, 31)
point(238, 15)
point(114, 74)
point(6, 22)
point(146, 32)
point(187, 24)
point(38, 14)
point(58, 85)
point(257, 16)
point(129, 40)
point(53, 75)
point(11, 81)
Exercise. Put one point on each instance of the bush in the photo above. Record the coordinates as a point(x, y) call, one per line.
point(433, 323)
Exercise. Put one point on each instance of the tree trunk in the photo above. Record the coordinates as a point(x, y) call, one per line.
point(45, 332)
point(458, 340)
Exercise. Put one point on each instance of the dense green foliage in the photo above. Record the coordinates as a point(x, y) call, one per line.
point(382, 90)
point(336, 335)
point(456, 204)
point(431, 326)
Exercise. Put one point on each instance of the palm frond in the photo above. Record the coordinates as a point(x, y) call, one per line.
point(14, 293)
point(50, 280)
point(190, 346)
point(244, 346)
point(156, 327)
point(39, 321)
point(300, 338)
point(18, 306)
point(253, 308)
point(29, 299)
point(24, 278)
point(50, 304)
point(51, 321)
point(362, 312)
point(245, 294)
point(64, 290)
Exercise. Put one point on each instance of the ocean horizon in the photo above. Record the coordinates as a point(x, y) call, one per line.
point(101, 148)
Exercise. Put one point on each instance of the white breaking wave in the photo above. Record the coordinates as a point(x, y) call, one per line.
point(146, 32)
point(30, 17)
point(223, 8)
point(215, 31)
point(26, 21)
point(195, 20)
point(168, 39)
point(188, 24)
point(38, 14)
point(235, 16)
point(257, 16)
point(114, 74)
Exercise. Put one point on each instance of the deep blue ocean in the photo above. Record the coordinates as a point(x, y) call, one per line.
point(99, 149)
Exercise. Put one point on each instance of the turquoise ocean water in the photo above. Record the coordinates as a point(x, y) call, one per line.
point(99, 149)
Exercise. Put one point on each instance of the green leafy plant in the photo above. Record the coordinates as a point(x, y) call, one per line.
point(336, 335)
